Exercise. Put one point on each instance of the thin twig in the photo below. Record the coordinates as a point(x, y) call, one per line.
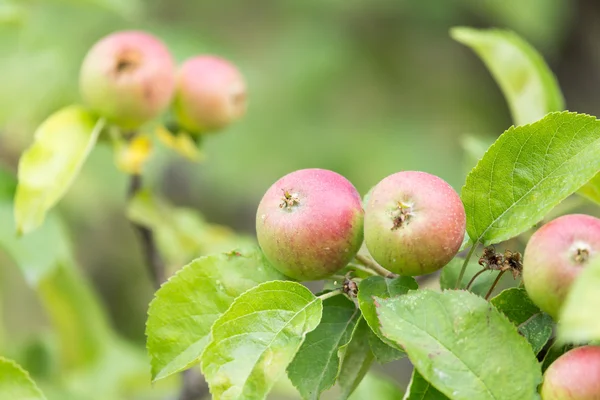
point(154, 261)
point(193, 385)
point(327, 295)
point(489, 293)
point(475, 277)
point(371, 264)
point(464, 266)
point(363, 268)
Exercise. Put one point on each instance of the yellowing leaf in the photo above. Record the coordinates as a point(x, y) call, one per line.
point(131, 156)
point(16, 384)
point(181, 142)
point(49, 166)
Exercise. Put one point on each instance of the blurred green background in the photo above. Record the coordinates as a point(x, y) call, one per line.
point(365, 88)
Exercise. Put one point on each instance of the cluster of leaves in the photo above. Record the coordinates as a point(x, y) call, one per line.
point(246, 325)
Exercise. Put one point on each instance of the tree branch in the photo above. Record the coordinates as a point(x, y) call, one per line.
point(193, 385)
point(152, 257)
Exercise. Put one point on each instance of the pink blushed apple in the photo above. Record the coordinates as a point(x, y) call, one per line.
point(414, 223)
point(128, 77)
point(309, 224)
point(555, 255)
point(574, 376)
point(210, 94)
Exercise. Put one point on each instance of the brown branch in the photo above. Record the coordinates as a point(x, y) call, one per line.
point(193, 384)
point(152, 257)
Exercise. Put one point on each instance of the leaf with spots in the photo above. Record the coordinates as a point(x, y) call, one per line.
point(184, 308)
point(256, 339)
point(532, 323)
point(528, 171)
point(462, 345)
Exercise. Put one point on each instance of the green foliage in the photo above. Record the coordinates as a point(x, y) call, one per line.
point(480, 286)
point(73, 308)
point(183, 310)
point(447, 335)
point(256, 339)
point(357, 359)
point(528, 171)
point(532, 323)
point(526, 81)
point(420, 389)
point(49, 166)
point(383, 288)
point(591, 190)
point(375, 386)
point(15, 383)
point(317, 363)
point(182, 234)
point(578, 321)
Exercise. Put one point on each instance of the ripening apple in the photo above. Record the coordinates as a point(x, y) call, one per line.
point(555, 255)
point(128, 77)
point(309, 224)
point(574, 376)
point(210, 94)
point(414, 223)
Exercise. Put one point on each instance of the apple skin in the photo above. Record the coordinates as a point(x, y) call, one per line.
point(128, 77)
point(555, 255)
point(210, 94)
point(574, 376)
point(309, 224)
point(414, 223)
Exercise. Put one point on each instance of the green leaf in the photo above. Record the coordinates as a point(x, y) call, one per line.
point(383, 288)
point(16, 384)
point(591, 190)
point(182, 234)
point(448, 335)
point(49, 166)
point(537, 330)
point(529, 86)
point(357, 359)
point(480, 286)
point(383, 352)
point(420, 389)
point(256, 339)
point(184, 308)
point(528, 171)
point(317, 363)
point(532, 323)
point(578, 321)
point(378, 387)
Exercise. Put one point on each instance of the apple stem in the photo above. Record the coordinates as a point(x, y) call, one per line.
point(464, 266)
point(489, 293)
point(327, 295)
point(343, 278)
point(475, 277)
point(374, 267)
point(364, 269)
